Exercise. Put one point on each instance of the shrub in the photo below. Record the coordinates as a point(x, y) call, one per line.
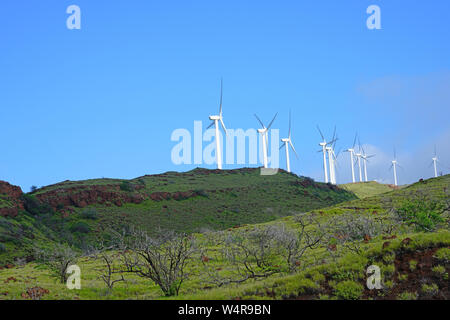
point(412, 265)
point(80, 227)
point(34, 206)
point(431, 289)
point(2, 247)
point(57, 257)
point(422, 213)
point(33, 188)
point(443, 254)
point(407, 296)
point(349, 290)
point(89, 213)
point(126, 186)
point(438, 269)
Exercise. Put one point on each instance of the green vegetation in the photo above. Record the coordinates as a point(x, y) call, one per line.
point(422, 213)
point(348, 290)
point(367, 189)
point(189, 202)
point(443, 254)
point(319, 253)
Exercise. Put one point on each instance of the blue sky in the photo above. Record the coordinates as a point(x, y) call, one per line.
point(103, 101)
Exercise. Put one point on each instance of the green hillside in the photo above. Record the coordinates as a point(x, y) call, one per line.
point(367, 189)
point(404, 232)
point(83, 212)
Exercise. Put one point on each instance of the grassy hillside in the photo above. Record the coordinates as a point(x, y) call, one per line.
point(387, 230)
point(83, 212)
point(367, 189)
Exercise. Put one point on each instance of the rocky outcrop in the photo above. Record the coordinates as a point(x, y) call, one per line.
point(82, 196)
point(11, 196)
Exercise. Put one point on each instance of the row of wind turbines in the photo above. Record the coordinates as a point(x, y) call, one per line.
point(358, 157)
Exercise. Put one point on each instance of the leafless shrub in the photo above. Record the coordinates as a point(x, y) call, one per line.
point(351, 231)
point(162, 259)
point(57, 258)
point(110, 273)
point(262, 251)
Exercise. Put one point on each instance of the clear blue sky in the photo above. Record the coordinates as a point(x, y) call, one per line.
point(103, 101)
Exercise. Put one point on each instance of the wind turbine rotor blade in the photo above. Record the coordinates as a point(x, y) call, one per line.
point(293, 149)
point(334, 133)
point(289, 133)
point(212, 123)
point(271, 122)
point(332, 141)
point(221, 96)
point(362, 148)
point(282, 145)
point(334, 144)
point(354, 141)
point(321, 134)
point(259, 120)
point(223, 126)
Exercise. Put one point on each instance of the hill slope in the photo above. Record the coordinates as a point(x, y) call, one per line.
point(83, 211)
point(359, 233)
point(367, 189)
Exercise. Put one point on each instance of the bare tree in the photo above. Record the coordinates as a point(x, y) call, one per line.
point(109, 269)
point(162, 259)
point(296, 242)
point(57, 258)
point(261, 252)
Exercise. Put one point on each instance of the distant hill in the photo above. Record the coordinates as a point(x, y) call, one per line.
point(80, 212)
point(367, 189)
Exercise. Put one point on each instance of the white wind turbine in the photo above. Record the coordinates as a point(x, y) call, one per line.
point(332, 158)
point(265, 141)
point(395, 165)
point(324, 151)
point(352, 153)
point(288, 142)
point(365, 160)
point(435, 160)
point(215, 121)
point(359, 156)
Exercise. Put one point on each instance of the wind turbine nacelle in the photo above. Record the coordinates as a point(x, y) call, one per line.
point(262, 130)
point(214, 117)
point(285, 140)
point(322, 144)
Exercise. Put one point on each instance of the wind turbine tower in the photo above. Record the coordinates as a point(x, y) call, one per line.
point(395, 165)
point(215, 121)
point(265, 140)
point(435, 160)
point(352, 163)
point(331, 164)
point(324, 144)
point(288, 142)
